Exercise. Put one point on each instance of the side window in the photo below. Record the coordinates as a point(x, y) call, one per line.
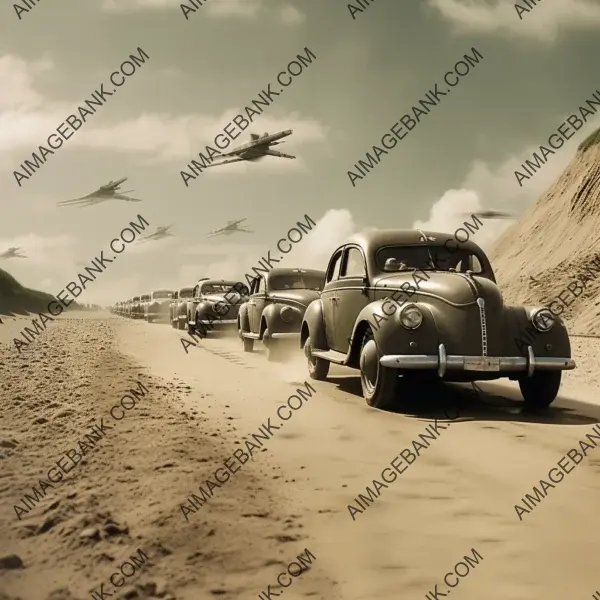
point(256, 286)
point(354, 265)
point(333, 272)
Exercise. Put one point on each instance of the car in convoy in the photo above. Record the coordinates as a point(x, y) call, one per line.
point(190, 309)
point(276, 306)
point(141, 311)
point(217, 304)
point(157, 306)
point(134, 308)
point(406, 306)
point(178, 308)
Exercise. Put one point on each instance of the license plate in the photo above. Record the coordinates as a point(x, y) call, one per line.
point(482, 363)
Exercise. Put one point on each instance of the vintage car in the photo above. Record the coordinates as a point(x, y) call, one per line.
point(217, 304)
point(134, 308)
point(405, 306)
point(157, 307)
point(141, 312)
point(276, 306)
point(178, 308)
point(190, 308)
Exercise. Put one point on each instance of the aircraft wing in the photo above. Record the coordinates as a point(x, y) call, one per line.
point(126, 198)
point(278, 154)
point(225, 162)
point(93, 196)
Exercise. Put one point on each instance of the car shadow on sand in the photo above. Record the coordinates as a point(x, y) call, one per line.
point(479, 402)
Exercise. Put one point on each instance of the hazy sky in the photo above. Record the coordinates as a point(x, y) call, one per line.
point(369, 71)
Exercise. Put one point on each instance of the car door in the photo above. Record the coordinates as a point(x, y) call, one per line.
point(329, 296)
point(353, 295)
point(260, 301)
point(254, 290)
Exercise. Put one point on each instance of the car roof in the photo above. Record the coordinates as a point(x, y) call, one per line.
point(370, 241)
point(294, 271)
point(186, 289)
point(217, 282)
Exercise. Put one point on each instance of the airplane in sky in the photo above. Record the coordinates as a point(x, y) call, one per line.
point(492, 214)
point(110, 191)
point(12, 253)
point(231, 227)
point(161, 232)
point(258, 147)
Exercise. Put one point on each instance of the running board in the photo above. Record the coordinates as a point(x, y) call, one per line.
point(330, 355)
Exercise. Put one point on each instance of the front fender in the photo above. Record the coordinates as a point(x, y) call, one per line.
point(270, 319)
point(391, 338)
point(522, 333)
point(313, 324)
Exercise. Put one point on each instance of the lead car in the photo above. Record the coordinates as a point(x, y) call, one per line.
point(405, 306)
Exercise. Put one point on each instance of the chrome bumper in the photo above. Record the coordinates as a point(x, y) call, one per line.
point(488, 364)
point(218, 322)
point(286, 336)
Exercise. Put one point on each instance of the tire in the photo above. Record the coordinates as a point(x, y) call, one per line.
point(540, 390)
point(318, 368)
point(180, 324)
point(248, 344)
point(379, 384)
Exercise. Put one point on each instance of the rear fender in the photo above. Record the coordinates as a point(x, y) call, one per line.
point(313, 324)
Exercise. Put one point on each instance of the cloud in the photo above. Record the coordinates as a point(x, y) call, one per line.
point(542, 22)
point(290, 15)
point(27, 118)
point(244, 9)
point(495, 187)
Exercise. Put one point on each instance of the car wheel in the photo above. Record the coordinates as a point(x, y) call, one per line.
point(379, 384)
point(541, 389)
point(318, 368)
point(180, 323)
point(248, 344)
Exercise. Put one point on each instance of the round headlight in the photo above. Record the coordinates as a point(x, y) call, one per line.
point(543, 320)
point(287, 314)
point(411, 317)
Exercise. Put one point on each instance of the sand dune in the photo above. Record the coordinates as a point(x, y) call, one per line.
point(557, 242)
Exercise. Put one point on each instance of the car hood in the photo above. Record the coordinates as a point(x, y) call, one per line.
point(214, 298)
point(303, 297)
point(455, 288)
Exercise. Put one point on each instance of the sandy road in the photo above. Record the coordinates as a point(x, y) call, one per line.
point(458, 495)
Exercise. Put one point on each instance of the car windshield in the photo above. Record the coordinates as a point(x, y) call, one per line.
point(299, 281)
point(426, 258)
point(164, 294)
point(142, 298)
point(216, 288)
point(186, 293)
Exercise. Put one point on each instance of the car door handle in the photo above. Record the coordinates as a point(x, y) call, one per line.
point(334, 299)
